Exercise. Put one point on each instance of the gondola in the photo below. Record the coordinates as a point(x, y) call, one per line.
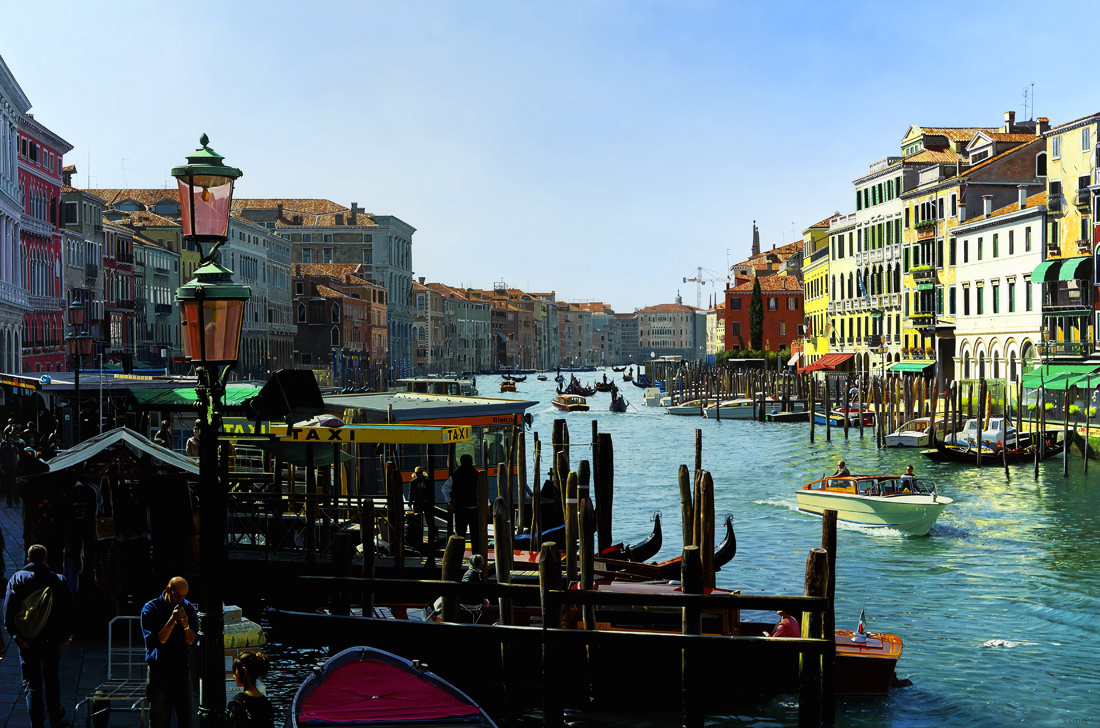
point(618, 369)
point(603, 387)
point(640, 552)
point(619, 404)
point(515, 378)
point(627, 377)
point(643, 381)
point(364, 686)
point(968, 455)
point(728, 548)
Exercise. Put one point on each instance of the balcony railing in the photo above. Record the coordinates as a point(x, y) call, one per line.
point(91, 271)
point(1066, 348)
point(125, 303)
point(923, 275)
point(162, 309)
point(160, 271)
point(1056, 297)
point(1083, 197)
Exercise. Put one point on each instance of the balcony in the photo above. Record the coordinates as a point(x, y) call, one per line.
point(1068, 296)
point(873, 341)
point(1066, 348)
point(160, 271)
point(162, 309)
point(923, 274)
point(91, 271)
point(847, 304)
point(925, 229)
point(1083, 198)
point(125, 303)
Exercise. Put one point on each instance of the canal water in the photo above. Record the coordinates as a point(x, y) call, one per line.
point(999, 606)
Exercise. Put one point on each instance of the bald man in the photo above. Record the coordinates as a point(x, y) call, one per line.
point(168, 624)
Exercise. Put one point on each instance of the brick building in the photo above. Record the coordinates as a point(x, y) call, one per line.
point(782, 312)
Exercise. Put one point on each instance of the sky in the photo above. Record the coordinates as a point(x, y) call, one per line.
point(601, 149)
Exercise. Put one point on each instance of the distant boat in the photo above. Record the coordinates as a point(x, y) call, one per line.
point(507, 385)
point(619, 404)
point(914, 433)
point(541, 377)
point(368, 688)
point(570, 403)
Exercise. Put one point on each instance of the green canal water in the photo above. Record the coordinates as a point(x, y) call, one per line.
point(1014, 559)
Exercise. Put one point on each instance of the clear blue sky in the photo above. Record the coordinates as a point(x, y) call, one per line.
point(600, 149)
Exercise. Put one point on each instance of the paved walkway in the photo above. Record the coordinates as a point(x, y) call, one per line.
point(83, 663)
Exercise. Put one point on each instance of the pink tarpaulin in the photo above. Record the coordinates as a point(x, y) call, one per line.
point(368, 690)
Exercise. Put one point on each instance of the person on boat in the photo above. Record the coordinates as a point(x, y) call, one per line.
point(841, 470)
point(422, 501)
point(249, 708)
point(787, 627)
point(474, 575)
point(463, 500)
point(908, 480)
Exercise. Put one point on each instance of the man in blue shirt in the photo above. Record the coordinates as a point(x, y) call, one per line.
point(167, 623)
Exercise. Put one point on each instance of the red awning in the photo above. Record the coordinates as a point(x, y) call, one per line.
point(829, 361)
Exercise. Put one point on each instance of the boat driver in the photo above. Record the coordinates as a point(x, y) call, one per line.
point(841, 470)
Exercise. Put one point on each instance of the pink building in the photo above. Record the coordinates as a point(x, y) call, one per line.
point(40, 154)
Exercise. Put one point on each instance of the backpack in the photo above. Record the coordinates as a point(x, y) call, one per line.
point(33, 613)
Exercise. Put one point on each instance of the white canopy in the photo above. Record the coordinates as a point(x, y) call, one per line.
point(136, 443)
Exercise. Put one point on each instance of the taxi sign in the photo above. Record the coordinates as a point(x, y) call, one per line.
point(375, 434)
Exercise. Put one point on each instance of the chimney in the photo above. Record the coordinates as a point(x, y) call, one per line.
point(1023, 195)
point(1042, 124)
point(67, 175)
point(1010, 121)
point(421, 279)
point(339, 218)
point(987, 205)
point(278, 211)
point(353, 216)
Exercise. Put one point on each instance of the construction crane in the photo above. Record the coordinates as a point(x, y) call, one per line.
point(701, 280)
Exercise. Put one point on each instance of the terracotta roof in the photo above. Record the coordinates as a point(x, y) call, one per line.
point(449, 291)
point(934, 156)
point(1039, 199)
point(956, 134)
point(69, 168)
point(667, 308)
point(326, 292)
point(1071, 123)
point(772, 283)
point(144, 196)
point(302, 206)
point(1001, 137)
point(332, 270)
point(149, 219)
point(1015, 150)
point(824, 223)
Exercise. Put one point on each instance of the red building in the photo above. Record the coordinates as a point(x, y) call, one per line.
point(40, 153)
point(782, 312)
point(118, 293)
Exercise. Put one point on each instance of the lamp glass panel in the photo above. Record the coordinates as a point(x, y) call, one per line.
point(222, 321)
point(73, 345)
point(212, 197)
point(85, 345)
point(76, 314)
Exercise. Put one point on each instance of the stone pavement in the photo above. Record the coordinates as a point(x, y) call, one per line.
point(83, 663)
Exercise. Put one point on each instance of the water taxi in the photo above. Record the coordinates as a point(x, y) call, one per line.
point(691, 408)
point(570, 403)
point(904, 503)
point(507, 385)
point(914, 433)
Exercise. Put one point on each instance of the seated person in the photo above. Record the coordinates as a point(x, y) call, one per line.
point(787, 627)
point(841, 470)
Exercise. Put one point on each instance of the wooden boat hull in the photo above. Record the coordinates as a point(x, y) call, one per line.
point(787, 417)
point(618, 405)
point(969, 456)
point(364, 686)
point(913, 514)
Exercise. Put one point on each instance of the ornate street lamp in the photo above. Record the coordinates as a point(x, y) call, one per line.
point(79, 345)
point(211, 312)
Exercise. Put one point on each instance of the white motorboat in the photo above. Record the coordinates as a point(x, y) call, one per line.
point(652, 397)
point(904, 503)
point(734, 409)
point(693, 407)
point(996, 433)
point(914, 433)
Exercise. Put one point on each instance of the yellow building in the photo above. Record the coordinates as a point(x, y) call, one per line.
point(815, 281)
point(1066, 274)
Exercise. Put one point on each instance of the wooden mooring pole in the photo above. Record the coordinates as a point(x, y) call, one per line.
point(810, 666)
point(691, 582)
point(550, 580)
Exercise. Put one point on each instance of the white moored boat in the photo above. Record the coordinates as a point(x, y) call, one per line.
point(689, 408)
point(914, 433)
point(903, 503)
point(732, 409)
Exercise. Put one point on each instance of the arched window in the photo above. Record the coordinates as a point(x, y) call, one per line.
point(996, 366)
point(1041, 164)
point(301, 313)
point(1012, 367)
point(335, 338)
point(981, 365)
point(966, 365)
point(335, 313)
point(897, 278)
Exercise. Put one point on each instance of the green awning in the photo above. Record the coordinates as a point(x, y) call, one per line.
point(911, 365)
point(1075, 268)
point(1086, 381)
point(184, 398)
point(1046, 271)
point(925, 286)
point(1058, 376)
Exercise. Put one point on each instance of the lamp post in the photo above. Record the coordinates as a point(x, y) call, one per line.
point(211, 315)
point(79, 345)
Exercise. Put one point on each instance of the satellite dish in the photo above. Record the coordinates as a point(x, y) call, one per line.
point(45, 379)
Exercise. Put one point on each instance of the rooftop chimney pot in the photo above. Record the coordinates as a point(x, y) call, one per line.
point(1023, 195)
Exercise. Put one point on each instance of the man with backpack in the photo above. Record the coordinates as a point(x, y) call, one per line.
point(39, 613)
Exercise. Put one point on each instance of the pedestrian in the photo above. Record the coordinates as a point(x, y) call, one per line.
point(422, 501)
point(39, 614)
point(194, 443)
point(463, 502)
point(164, 435)
point(166, 623)
point(9, 462)
point(249, 708)
point(787, 627)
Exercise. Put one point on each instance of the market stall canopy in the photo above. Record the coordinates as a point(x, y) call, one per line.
point(1061, 376)
point(829, 361)
point(911, 365)
point(185, 399)
point(79, 456)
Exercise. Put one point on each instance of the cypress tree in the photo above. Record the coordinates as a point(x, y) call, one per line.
point(756, 317)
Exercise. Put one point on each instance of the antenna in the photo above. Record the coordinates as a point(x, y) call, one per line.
point(1032, 99)
point(124, 185)
point(1025, 104)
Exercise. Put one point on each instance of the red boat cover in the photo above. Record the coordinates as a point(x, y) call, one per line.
point(370, 691)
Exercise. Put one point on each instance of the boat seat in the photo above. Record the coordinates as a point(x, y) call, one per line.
point(474, 610)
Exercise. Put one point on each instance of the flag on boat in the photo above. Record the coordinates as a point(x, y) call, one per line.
point(861, 630)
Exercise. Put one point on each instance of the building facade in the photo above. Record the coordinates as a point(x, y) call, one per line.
point(14, 104)
point(783, 313)
point(669, 329)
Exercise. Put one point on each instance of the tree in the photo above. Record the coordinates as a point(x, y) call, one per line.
point(756, 317)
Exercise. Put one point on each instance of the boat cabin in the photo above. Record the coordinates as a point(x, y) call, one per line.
point(444, 386)
point(874, 485)
point(996, 431)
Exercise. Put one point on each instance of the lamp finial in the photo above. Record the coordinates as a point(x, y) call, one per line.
point(204, 140)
